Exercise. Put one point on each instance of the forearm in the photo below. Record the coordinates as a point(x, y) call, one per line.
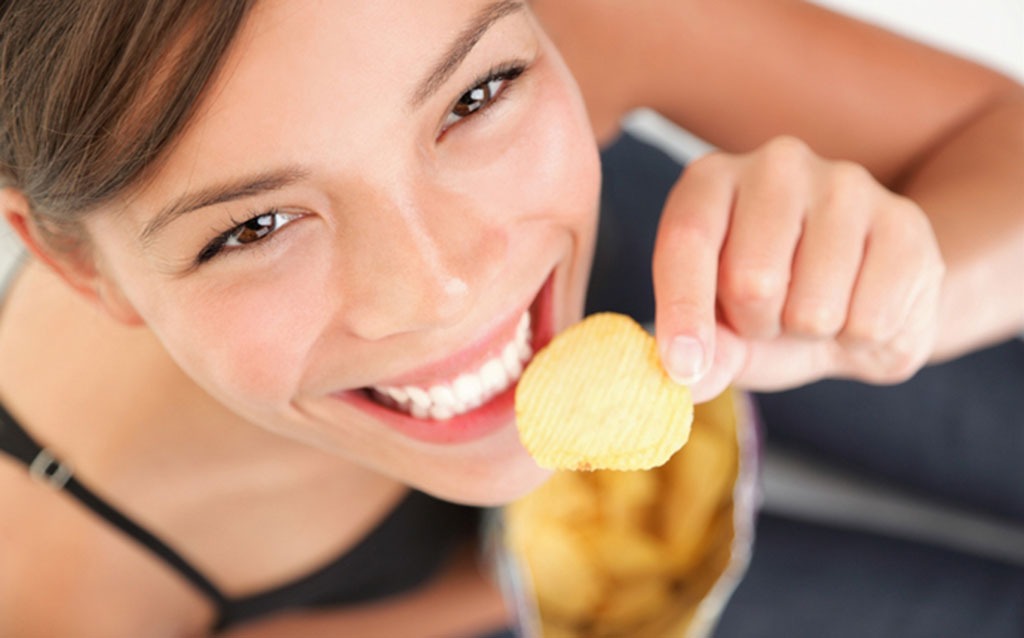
point(972, 188)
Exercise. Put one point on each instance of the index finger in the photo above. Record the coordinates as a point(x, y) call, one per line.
point(686, 255)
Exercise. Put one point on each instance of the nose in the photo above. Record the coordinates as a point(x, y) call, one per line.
point(423, 260)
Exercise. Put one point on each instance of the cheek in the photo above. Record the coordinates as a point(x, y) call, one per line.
point(244, 336)
point(565, 149)
point(558, 161)
point(539, 155)
point(247, 343)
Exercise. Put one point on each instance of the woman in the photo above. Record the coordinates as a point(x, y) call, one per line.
point(289, 260)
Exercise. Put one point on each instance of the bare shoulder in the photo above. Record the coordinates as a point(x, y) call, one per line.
point(46, 326)
point(64, 372)
point(65, 574)
point(71, 369)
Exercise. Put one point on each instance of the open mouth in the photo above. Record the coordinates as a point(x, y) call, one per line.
point(468, 391)
point(468, 400)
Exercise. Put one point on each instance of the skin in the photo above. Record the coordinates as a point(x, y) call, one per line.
point(400, 252)
point(780, 266)
point(943, 133)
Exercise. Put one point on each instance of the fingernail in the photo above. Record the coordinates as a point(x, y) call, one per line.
point(684, 361)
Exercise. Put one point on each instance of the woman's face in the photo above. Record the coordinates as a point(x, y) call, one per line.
point(343, 245)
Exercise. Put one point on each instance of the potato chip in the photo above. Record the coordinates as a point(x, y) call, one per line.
point(567, 497)
point(567, 583)
point(626, 553)
point(624, 490)
point(638, 603)
point(597, 397)
point(626, 497)
point(700, 481)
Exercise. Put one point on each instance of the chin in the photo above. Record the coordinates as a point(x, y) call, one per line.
point(489, 478)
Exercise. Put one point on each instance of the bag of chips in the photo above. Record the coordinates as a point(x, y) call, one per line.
point(651, 553)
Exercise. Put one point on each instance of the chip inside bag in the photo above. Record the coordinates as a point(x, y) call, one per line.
point(641, 553)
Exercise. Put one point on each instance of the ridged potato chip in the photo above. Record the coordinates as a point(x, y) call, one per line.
point(575, 572)
point(709, 463)
point(597, 398)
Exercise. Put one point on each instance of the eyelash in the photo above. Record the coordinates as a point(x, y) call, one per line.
point(276, 216)
point(504, 74)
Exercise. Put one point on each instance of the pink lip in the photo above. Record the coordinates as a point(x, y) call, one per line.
point(493, 415)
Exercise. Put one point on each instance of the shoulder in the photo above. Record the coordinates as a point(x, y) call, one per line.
point(65, 574)
point(78, 376)
point(63, 571)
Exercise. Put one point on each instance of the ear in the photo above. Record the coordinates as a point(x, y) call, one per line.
point(74, 265)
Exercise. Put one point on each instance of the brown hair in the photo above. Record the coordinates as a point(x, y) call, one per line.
point(93, 91)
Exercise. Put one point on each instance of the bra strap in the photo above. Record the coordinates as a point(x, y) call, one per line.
point(47, 468)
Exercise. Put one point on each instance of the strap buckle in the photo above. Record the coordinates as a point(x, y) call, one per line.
point(47, 469)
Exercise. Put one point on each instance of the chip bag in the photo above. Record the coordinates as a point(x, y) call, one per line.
point(636, 554)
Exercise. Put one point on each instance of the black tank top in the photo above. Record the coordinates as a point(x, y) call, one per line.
point(402, 552)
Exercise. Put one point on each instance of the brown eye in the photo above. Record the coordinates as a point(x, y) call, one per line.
point(247, 233)
point(257, 228)
point(474, 100)
point(253, 230)
point(482, 95)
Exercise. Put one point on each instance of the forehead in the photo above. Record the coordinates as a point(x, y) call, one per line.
point(311, 78)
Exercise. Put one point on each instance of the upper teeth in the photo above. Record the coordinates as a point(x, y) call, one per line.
point(469, 390)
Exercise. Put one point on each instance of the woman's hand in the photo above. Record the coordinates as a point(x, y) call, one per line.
point(777, 268)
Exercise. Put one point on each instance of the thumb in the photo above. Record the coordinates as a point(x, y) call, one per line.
point(687, 352)
point(731, 356)
point(685, 269)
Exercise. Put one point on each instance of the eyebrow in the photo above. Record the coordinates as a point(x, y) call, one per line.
point(463, 44)
point(275, 180)
point(240, 188)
